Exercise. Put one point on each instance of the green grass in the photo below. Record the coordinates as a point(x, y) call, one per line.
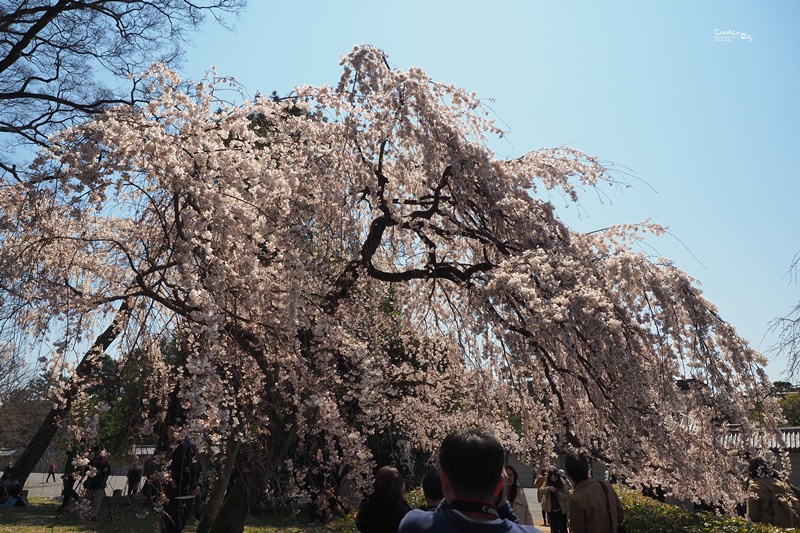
point(39, 517)
point(642, 515)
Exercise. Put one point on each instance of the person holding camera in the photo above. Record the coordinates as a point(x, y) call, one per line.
point(95, 484)
point(555, 501)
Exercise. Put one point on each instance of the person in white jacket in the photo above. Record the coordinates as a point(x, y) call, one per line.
point(517, 497)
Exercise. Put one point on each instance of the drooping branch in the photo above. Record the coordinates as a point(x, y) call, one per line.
point(443, 271)
point(88, 367)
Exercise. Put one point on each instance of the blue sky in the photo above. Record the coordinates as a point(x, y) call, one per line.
point(705, 126)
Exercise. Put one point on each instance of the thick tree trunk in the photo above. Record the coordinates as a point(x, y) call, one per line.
point(217, 496)
point(87, 367)
point(234, 511)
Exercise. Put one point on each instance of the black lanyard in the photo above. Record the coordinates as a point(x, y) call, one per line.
point(475, 507)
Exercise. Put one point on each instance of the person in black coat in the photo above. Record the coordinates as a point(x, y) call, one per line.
point(134, 477)
point(383, 510)
point(184, 486)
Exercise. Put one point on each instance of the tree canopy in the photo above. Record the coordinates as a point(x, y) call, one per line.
point(63, 60)
point(790, 404)
point(275, 249)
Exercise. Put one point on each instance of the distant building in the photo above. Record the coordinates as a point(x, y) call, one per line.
point(8, 455)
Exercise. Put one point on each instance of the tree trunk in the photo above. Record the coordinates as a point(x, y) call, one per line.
point(87, 367)
point(217, 496)
point(234, 511)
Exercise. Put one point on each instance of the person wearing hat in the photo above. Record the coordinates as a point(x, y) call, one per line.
point(770, 500)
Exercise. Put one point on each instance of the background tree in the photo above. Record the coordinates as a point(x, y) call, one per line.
point(62, 60)
point(271, 254)
point(22, 407)
point(788, 329)
point(16, 391)
point(790, 404)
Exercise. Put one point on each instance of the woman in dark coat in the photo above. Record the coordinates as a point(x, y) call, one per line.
point(386, 506)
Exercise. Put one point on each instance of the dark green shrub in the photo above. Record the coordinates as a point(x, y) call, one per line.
point(642, 515)
point(645, 515)
point(347, 524)
point(415, 498)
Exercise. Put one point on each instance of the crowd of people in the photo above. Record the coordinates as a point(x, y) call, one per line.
point(179, 494)
point(474, 491)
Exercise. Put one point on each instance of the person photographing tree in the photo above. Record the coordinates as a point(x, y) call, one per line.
point(97, 476)
point(555, 501)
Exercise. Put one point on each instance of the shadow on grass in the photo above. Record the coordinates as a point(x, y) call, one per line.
point(116, 515)
point(121, 515)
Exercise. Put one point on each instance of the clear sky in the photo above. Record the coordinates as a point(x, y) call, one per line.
point(697, 101)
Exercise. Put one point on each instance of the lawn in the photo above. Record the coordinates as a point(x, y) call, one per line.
point(120, 516)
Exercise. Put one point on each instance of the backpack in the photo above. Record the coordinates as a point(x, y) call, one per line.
point(787, 509)
point(796, 490)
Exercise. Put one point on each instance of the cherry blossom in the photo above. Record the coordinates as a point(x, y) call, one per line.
point(357, 258)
